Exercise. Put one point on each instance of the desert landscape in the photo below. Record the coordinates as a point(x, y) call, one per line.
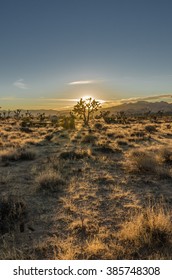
point(86, 131)
point(95, 191)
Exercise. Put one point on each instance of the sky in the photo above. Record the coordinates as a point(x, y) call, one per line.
point(53, 52)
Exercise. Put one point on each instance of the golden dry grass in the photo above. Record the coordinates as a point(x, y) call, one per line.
point(102, 191)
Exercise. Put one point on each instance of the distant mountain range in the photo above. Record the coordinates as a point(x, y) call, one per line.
point(142, 107)
point(137, 107)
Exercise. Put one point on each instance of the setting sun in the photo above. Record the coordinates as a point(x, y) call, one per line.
point(85, 97)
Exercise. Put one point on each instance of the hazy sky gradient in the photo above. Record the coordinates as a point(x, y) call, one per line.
point(124, 47)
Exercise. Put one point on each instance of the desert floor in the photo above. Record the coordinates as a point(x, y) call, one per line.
point(103, 192)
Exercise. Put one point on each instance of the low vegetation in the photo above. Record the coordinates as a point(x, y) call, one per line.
point(95, 188)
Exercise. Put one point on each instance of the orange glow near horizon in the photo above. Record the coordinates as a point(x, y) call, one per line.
point(86, 97)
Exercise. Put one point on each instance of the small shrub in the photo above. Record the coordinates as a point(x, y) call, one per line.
point(122, 143)
point(50, 180)
point(104, 148)
point(72, 155)
point(68, 122)
point(26, 129)
point(166, 154)
point(119, 136)
point(90, 139)
point(138, 134)
point(17, 154)
point(151, 228)
point(48, 137)
point(27, 154)
point(98, 125)
point(150, 128)
point(110, 134)
point(11, 154)
point(164, 173)
point(143, 161)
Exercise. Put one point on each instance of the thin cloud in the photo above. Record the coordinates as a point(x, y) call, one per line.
point(82, 82)
point(113, 102)
point(59, 99)
point(153, 97)
point(8, 98)
point(20, 84)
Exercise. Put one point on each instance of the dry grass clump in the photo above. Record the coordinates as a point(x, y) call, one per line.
point(49, 180)
point(164, 173)
point(96, 249)
point(64, 135)
point(119, 136)
point(104, 179)
point(149, 162)
point(27, 154)
point(17, 154)
point(143, 161)
point(122, 142)
point(83, 227)
point(98, 125)
point(48, 137)
point(138, 134)
point(74, 155)
point(150, 128)
point(110, 134)
point(105, 148)
point(151, 229)
point(68, 250)
point(89, 139)
point(11, 154)
point(26, 129)
point(166, 155)
point(12, 213)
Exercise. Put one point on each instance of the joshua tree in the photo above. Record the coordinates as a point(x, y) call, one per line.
point(17, 113)
point(85, 109)
point(41, 116)
point(8, 114)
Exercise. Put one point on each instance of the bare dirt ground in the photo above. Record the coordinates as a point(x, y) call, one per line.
point(103, 192)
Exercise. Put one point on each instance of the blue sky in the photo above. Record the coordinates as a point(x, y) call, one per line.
point(120, 48)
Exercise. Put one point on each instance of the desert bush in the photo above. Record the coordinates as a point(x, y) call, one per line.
point(150, 128)
point(26, 129)
point(138, 134)
point(74, 155)
point(90, 139)
point(119, 136)
point(48, 137)
point(27, 154)
point(122, 142)
point(68, 122)
point(64, 135)
point(166, 154)
point(104, 148)
point(110, 134)
point(164, 172)
point(49, 180)
point(95, 249)
point(143, 161)
point(98, 125)
point(17, 154)
point(150, 228)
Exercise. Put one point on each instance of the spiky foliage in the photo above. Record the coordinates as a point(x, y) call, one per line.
point(86, 108)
